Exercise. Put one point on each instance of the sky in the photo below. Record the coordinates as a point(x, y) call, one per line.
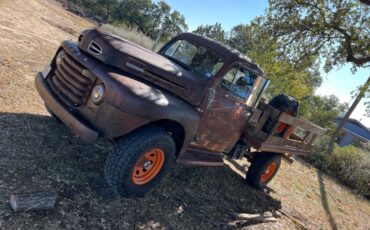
point(340, 82)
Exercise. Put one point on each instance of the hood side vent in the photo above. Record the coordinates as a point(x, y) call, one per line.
point(95, 48)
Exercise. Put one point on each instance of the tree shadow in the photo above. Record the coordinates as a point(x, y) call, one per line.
point(38, 153)
point(324, 201)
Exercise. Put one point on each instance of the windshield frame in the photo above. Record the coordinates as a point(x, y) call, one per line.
point(184, 65)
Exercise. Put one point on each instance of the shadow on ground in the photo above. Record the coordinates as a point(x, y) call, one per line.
point(324, 201)
point(37, 153)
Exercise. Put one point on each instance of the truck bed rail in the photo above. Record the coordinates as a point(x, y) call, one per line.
point(299, 142)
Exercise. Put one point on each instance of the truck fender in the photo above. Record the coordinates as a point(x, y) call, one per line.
point(146, 104)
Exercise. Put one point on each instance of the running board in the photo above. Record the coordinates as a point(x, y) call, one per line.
point(197, 158)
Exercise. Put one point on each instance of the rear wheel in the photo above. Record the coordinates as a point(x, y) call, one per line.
point(139, 161)
point(263, 168)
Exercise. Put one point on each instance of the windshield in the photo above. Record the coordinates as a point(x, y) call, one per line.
point(194, 57)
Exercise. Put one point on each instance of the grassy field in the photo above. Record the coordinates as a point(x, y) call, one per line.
point(38, 154)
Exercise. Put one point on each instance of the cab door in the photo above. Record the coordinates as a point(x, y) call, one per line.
point(225, 113)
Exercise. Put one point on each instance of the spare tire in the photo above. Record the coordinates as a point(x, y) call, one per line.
point(285, 104)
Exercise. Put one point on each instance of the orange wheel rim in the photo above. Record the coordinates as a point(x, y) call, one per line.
point(268, 173)
point(148, 166)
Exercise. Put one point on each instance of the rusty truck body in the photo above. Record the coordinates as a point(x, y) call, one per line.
point(193, 102)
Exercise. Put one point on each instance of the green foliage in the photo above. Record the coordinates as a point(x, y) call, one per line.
point(322, 110)
point(286, 76)
point(337, 30)
point(212, 31)
point(319, 153)
point(349, 164)
point(155, 20)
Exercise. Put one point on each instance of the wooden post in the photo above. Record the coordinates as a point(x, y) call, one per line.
point(22, 202)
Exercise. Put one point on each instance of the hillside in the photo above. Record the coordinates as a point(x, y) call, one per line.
point(38, 154)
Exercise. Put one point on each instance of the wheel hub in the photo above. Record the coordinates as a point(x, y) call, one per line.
point(148, 166)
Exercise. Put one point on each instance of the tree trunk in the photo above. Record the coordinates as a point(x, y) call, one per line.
point(159, 35)
point(360, 95)
point(32, 201)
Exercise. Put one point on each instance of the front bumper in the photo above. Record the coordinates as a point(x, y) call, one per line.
point(77, 126)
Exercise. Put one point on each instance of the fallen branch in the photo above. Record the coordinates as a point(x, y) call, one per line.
point(23, 202)
point(292, 218)
point(265, 217)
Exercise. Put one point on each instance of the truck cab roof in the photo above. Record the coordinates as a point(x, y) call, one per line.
point(230, 54)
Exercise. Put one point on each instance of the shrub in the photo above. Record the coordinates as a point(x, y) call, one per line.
point(318, 156)
point(352, 166)
point(349, 164)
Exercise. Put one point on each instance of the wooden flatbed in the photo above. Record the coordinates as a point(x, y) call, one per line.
point(298, 139)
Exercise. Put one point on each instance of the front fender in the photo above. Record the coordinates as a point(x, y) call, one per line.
point(142, 104)
point(130, 102)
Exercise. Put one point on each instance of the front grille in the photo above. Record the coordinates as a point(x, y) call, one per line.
point(69, 83)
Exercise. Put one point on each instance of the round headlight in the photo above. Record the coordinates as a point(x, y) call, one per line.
point(60, 57)
point(97, 94)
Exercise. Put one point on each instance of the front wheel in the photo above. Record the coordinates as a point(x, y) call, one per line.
point(139, 161)
point(263, 168)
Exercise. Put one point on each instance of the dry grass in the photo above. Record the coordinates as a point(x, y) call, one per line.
point(131, 34)
point(37, 153)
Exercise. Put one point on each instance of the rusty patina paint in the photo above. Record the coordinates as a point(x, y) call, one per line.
point(143, 87)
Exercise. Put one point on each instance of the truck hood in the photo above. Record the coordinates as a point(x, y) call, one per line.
point(143, 63)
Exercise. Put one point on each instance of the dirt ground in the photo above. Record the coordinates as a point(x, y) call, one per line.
point(39, 154)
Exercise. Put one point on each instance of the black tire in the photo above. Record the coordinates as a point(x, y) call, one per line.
point(259, 165)
point(52, 114)
point(284, 103)
point(128, 150)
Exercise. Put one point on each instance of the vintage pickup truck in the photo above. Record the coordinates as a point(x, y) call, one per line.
point(194, 102)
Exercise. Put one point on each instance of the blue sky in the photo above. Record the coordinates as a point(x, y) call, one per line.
point(339, 82)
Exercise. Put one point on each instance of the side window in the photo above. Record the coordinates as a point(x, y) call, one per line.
point(239, 82)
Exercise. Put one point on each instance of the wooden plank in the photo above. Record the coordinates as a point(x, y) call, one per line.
point(308, 137)
point(265, 115)
point(275, 113)
point(283, 149)
point(313, 138)
point(256, 114)
point(301, 123)
point(273, 130)
point(282, 141)
point(261, 135)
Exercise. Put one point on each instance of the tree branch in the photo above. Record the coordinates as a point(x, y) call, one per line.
point(367, 2)
point(350, 57)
